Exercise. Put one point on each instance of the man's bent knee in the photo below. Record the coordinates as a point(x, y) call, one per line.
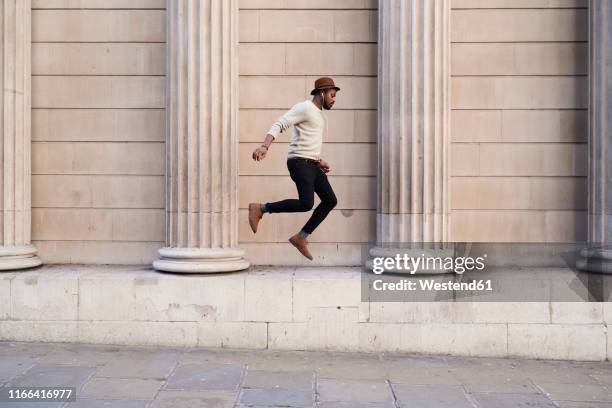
point(331, 202)
point(306, 205)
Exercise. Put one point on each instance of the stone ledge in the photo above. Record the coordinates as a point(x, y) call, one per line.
point(288, 308)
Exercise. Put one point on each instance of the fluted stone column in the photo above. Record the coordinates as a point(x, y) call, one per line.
point(16, 251)
point(201, 141)
point(597, 256)
point(413, 124)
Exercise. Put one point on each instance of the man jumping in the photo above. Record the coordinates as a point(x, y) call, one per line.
point(306, 168)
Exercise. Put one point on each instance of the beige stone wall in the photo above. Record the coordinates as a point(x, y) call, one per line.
point(519, 131)
point(284, 46)
point(518, 123)
point(98, 85)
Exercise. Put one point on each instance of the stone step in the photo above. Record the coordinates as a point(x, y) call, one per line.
point(283, 308)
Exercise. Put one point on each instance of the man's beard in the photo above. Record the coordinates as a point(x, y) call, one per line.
point(326, 106)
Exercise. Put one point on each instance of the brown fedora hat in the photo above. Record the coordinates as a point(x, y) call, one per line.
point(323, 83)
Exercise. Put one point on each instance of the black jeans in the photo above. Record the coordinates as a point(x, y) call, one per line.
point(309, 178)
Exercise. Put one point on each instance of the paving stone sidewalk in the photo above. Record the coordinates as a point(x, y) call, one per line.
point(139, 377)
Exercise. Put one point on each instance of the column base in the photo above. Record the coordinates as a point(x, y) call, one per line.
point(200, 260)
point(386, 252)
point(597, 260)
point(18, 257)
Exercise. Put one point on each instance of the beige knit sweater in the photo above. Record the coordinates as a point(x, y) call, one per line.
point(308, 123)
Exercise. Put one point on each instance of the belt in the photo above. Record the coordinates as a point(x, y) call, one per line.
point(311, 161)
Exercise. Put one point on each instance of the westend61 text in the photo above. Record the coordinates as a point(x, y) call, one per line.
point(430, 284)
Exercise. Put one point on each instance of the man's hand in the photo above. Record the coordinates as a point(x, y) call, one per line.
point(325, 166)
point(260, 153)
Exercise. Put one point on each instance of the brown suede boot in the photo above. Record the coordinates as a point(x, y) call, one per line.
point(255, 215)
point(301, 244)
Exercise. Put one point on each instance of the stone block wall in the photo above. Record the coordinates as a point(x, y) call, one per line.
point(519, 120)
point(284, 47)
point(98, 128)
point(518, 156)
